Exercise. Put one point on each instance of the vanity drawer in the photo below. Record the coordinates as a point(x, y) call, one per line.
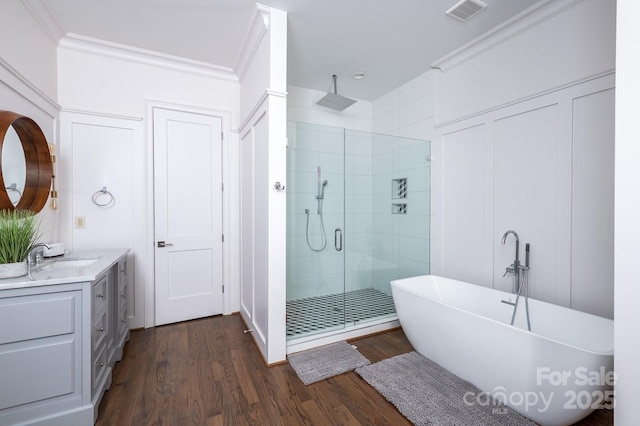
point(100, 295)
point(100, 330)
point(33, 317)
point(99, 366)
point(123, 326)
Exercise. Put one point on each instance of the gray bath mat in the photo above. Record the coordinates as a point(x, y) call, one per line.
point(427, 394)
point(321, 363)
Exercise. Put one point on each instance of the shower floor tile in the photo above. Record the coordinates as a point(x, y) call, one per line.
point(313, 314)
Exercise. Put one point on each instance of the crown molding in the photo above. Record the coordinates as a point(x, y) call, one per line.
point(610, 73)
point(46, 19)
point(525, 20)
point(29, 91)
point(143, 56)
point(259, 27)
point(259, 105)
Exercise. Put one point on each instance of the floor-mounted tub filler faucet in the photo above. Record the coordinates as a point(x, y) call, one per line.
point(520, 276)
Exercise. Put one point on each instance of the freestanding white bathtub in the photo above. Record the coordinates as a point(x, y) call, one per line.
point(555, 374)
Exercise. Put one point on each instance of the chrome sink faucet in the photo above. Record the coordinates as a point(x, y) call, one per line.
point(36, 254)
point(35, 257)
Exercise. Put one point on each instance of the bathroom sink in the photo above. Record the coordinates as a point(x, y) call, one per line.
point(76, 263)
point(73, 263)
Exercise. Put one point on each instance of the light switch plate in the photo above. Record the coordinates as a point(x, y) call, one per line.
point(79, 222)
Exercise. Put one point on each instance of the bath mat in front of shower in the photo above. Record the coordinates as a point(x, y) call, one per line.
point(327, 361)
point(427, 394)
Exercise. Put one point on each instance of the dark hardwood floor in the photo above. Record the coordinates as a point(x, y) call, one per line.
point(208, 372)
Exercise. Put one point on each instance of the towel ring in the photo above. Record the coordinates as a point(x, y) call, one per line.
point(101, 193)
point(14, 187)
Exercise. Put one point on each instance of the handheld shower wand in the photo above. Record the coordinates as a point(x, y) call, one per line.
point(320, 197)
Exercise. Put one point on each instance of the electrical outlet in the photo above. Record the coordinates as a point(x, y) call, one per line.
point(80, 222)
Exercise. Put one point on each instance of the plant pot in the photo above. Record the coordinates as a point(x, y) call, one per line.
point(12, 270)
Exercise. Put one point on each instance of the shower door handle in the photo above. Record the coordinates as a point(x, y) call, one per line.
point(337, 232)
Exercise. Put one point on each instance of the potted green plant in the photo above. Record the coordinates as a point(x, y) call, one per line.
point(19, 233)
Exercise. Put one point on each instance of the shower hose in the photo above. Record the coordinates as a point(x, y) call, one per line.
point(322, 232)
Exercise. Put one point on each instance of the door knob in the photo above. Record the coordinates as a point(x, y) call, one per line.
point(163, 244)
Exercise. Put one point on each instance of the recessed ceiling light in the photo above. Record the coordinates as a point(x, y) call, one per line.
point(359, 75)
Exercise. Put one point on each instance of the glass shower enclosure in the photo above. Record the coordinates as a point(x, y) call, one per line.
point(357, 218)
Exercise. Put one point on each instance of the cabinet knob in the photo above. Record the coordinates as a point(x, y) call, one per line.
point(101, 364)
point(101, 329)
point(100, 296)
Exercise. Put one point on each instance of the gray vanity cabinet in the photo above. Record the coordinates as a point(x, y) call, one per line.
point(40, 353)
point(120, 324)
point(58, 345)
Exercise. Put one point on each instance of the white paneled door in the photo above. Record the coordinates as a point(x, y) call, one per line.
point(188, 215)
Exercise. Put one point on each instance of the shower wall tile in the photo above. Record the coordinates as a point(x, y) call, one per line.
point(362, 165)
point(418, 179)
point(373, 255)
point(415, 110)
point(411, 225)
point(306, 161)
point(381, 185)
point(303, 267)
point(357, 143)
point(362, 124)
point(382, 222)
point(385, 104)
point(409, 268)
point(419, 202)
point(363, 109)
point(387, 123)
point(296, 224)
point(382, 163)
point(422, 129)
point(301, 107)
point(331, 163)
point(362, 184)
point(301, 115)
point(301, 97)
point(382, 144)
point(412, 248)
point(419, 86)
point(332, 143)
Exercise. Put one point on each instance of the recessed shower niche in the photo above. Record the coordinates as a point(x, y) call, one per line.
point(344, 244)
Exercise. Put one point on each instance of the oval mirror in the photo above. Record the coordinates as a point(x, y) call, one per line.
point(14, 170)
point(26, 168)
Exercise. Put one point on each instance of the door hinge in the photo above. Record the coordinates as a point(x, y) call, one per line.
point(222, 136)
point(222, 184)
point(223, 288)
point(223, 238)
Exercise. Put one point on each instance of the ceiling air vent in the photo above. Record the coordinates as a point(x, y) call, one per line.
point(465, 9)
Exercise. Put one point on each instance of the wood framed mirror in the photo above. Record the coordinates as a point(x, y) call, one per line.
point(32, 192)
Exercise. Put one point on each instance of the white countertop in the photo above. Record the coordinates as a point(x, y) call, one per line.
point(47, 273)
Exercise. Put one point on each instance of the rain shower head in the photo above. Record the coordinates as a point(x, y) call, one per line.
point(335, 101)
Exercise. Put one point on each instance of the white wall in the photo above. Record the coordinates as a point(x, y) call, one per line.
point(524, 158)
point(107, 93)
point(262, 163)
point(27, 49)
point(532, 55)
point(627, 212)
point(28, 83)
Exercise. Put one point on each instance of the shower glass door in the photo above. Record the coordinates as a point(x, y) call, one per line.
point(315, 229)
point(357, 219)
